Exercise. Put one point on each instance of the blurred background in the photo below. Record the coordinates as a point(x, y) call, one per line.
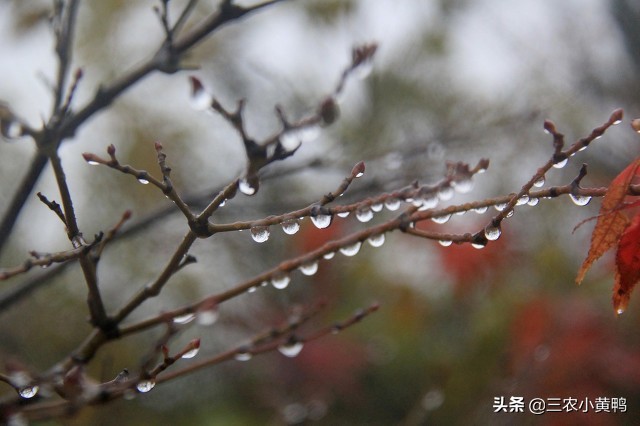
point(452, 80)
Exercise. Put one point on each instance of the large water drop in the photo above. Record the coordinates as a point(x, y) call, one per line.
point(351, 250)
point(445, 193)
point(441, 219)
point(291, 348)
point(190, 354)
point(184, 319)
point(290, 227)
point(364, 214)
point(145, 386)
point(280, 281)
point(246, 187)
point(376, 240)
point(28, 392)
point(580, 200)
point(463, 186)
point(492, 232)
point(392, 204)
point(321, 221)
point(243, 356)
point(560, 164)
point(309, 268)
point(260, 234)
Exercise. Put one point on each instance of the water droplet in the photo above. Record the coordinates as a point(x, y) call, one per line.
point(492, 232)
point(427, 203)
point(28, 392)
point(359, 174)
point(376, 240)
point(392, 204)
point(522, 200)
point(533, 201)
point(222, 203)
point(620, 311)
point(463, 186)
point(143, 181)
point(260, 234)
point(351, 250)
point(243, 356)
point(290, 227)
point(445, 193)
point(560, 164)
point(291, 348)
point(309, 268)
point(441, 219)
point(539, 183)
point(460, 213)
point(190, 354)
point(93, 163)
point(252, 289)
point(500, 206)
point(511, 212)
point(478, 245)
point(310, 133)
point(580, 200)
point(322, 221)
point(364, 214)
point(246, 187)
point(445, 243)
point(377, 207)
point(291, 139)
point(184, 319)
point(201, 99)
point(343, 214)
point(280, 281)
point(481, 210)
point(12, 129)
point(208, 316)
point(144, 386)
point(329, 255)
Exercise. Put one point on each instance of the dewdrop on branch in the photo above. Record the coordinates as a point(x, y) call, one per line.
point(28, 392)
point(291, 348)
point(321, 221)
point(145, 386)
point(364, 214)
point(616, 116)
point(580, 200)
point(358, 170)
point(280, 280)
point(184, 319)
point(352, 249)
point(200, 98)
point(492, 232)
point(248, 186)
point(376, 240)
point(309, 268)
point(193, 349)
point(260, 234)
point(290, 227)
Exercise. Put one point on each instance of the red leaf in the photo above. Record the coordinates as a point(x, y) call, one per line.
point(612, 222)
point(627, 265)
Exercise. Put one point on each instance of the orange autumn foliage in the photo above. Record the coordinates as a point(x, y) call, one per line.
point(614, 228)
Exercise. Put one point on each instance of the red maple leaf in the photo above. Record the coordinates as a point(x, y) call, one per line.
point(615, 228)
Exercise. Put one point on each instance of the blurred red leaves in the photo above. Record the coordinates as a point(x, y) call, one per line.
point(615, 228)
point(567, 349)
